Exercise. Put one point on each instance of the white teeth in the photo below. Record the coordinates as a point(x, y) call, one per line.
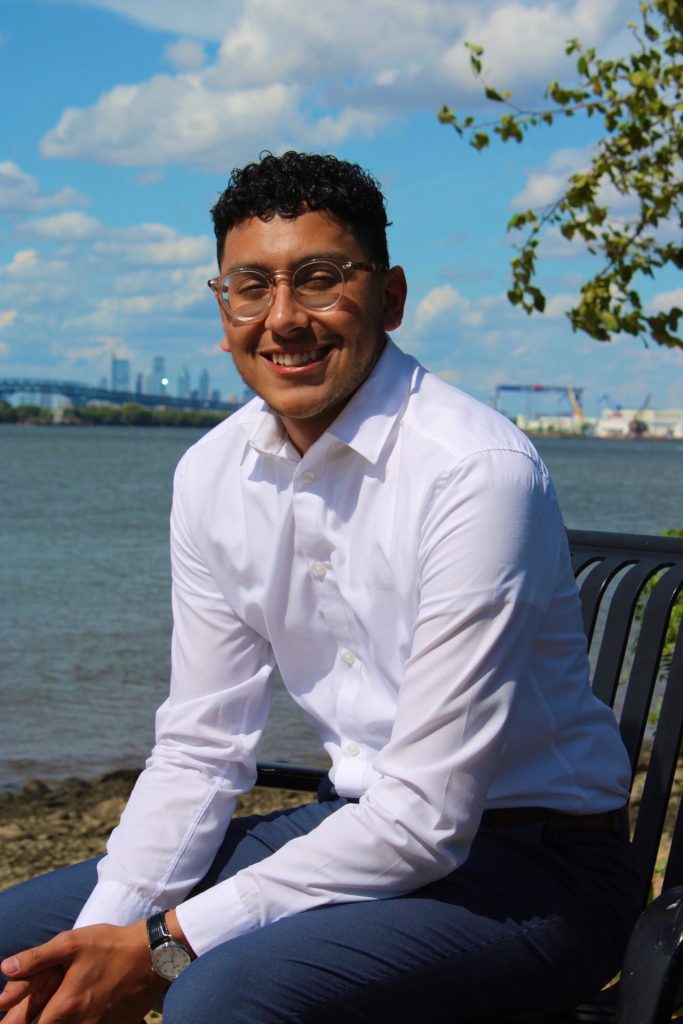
point(297, 358)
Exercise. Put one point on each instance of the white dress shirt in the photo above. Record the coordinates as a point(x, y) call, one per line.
point(409, 574)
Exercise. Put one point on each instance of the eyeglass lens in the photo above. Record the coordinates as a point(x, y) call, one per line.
point(316, 285)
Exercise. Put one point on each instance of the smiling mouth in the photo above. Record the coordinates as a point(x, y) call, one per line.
point(314, 355)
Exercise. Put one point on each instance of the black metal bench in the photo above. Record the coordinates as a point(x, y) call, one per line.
point(629, 585)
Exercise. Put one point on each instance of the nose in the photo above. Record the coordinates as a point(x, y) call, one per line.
point(285, 315)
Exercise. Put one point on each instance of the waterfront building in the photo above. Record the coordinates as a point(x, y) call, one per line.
point(558, 424)
point(204, 385)
point(651, 423)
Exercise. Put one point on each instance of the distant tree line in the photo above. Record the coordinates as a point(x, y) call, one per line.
point(129, 415)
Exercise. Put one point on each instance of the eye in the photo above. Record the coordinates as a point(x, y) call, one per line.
point(247, 285)
point(317, 277)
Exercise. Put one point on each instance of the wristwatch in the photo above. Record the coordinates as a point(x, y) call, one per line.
point(169, 957)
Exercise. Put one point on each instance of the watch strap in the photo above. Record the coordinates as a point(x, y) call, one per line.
point(157, 930)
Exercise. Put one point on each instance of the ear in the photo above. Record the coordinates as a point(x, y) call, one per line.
point(225, 343)
point(395, 292)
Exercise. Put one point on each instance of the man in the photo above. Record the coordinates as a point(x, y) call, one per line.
point(397, 549)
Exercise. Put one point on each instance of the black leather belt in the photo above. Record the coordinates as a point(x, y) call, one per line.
point(506, 817)
point(605, 821)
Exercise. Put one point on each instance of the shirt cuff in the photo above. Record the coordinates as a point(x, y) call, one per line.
point(113, 902)
point(214, 916)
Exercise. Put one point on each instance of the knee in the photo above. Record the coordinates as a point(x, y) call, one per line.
point(227, 985)
point(33, 912)
point(16, 916)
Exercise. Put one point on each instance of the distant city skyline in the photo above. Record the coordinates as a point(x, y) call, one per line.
point(156, 382)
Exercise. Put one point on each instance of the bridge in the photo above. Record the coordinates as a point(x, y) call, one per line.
point(82, 394)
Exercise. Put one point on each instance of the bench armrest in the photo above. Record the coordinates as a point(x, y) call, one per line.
point(653, 962)
point(275, 774)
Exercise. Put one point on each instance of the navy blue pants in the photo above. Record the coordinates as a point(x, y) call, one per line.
point(537, 918)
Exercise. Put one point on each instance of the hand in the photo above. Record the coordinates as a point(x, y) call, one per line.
point(96, 975)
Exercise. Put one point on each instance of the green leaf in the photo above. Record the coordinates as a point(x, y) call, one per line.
point(518, 220)
point(609, 320)
point(636, 101)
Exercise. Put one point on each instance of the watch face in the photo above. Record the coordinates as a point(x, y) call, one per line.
point(170, 960)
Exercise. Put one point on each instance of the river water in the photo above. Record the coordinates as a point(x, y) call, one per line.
point(84, 584)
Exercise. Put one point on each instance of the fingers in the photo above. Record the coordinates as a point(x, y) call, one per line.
point(26, 999)
point(31, 961)
point(22, 1013)
point(13, 993)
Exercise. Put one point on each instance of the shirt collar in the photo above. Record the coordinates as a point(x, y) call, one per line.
point(364, 424)
point(367, 422)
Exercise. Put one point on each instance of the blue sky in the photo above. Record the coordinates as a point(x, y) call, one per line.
point(121, 120)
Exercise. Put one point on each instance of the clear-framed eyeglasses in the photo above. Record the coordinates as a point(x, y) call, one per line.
point(318, 284)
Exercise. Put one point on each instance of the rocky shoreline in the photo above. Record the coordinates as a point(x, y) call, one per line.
point(46, 826)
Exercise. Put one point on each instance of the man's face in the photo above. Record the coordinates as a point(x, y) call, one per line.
point(344, 342)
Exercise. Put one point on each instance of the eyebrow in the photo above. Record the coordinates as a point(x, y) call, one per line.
point(334, 255)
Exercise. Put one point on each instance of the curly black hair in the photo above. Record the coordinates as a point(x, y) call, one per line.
point(291, 184)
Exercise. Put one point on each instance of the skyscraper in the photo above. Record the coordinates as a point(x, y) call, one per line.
point(159, 380)
point(204, 385)
point(184, 383)
point(120, 374)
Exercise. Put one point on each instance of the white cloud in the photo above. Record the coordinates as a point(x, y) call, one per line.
point(665, 301)
point(185, 55)
point(435, 303)
point(547, 184)
point(5, 348)
point(23, 261)
point(201, 19)
point(170, 120)
point(102, 348)
point(20, 192)
point(557, 305)
point(300, 74)
point(155, 245)
point(63, 227)
point(524, 43)
point(149, 178)
point(7, 317)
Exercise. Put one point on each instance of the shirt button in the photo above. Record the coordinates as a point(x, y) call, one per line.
point(308, 477)
point(349, 657)
point(319, 569)
point(352, 749)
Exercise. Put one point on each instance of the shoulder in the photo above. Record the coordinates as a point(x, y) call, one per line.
point(224, 444)
point(242, 422)
point(438, 416)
